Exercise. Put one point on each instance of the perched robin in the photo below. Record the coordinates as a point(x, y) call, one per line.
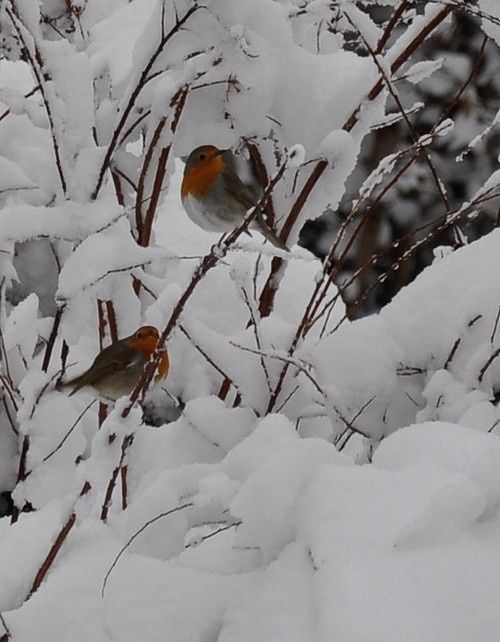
point(214, 196)
point(117, 369)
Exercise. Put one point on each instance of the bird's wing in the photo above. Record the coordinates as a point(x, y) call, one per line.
point(241, 194)
point(237, 189)
point(105, 364)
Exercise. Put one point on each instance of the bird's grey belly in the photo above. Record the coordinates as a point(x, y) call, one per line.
point(212, 216)
point(120, 383)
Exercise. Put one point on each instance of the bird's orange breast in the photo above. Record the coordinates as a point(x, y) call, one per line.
point(146, 345)
point(199, 179)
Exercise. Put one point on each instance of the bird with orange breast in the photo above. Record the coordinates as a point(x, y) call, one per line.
point(117, 369)
point(215, 197)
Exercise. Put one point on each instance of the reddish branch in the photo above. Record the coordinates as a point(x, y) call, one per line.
point(339, 263)
point(101, 323)
point(52, 338)
point(397, 100)
point(145, 237)
point(144, 227)
point(136, 534)
point(451, 356)
point(28, 95)
point(126, 443)
point(488, 364)
point(135, 93)
point(123, 476)
point(392, 24)
point(64, 358)
point(55, 548)
point(49, 560)
point(224, 388)
point(320, 167)
point(268, 293)
point(113, 326)
point(37, 68)
point(22, 473)
point(443, 222)
point(263, 176)
point(148, 157)
point(6, 636)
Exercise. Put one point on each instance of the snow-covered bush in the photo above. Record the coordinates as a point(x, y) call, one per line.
point(230, 506)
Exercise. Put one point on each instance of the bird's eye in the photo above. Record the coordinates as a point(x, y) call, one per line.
point(202, 156)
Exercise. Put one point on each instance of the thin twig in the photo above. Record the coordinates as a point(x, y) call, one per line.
point(66, 436)
point(213, 534)
point(495, 327)
point(9, 417)
point(488, 364)
point(52, 337)
point(112, 324)
point(123, 476)
point(391, 25)
point(22, 473)
point(320, 167)
point(135, 93)
point(126, 443)
point(136, 122)
point(36, 67)
point(452, 354)
point(402, 110)
point(305, 371)
point(442, 223)
point(147, 159)
point(135, 535)
point(56, 546)
point(7, 634)
point(208, 358)
point(270, 288)
point(254, 324)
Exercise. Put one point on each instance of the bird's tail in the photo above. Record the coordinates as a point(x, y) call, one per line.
point(76, 383)
point(269, 234)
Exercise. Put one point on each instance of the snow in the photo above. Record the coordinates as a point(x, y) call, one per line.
point(340, 482)
point(490, 18)
point(422, 69)
point(12, 177)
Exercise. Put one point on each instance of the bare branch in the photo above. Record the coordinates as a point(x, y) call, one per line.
point(73, 426)
point(302, 368)
point(135, 93)
point(495, 327)
point(36, 66)
point(136, 534)
point(488, 363)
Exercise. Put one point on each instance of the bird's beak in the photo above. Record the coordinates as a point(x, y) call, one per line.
point(184, 158)
point(221, 152)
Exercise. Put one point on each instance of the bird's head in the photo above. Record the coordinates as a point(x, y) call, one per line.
point(203, 166)
point(144, 340)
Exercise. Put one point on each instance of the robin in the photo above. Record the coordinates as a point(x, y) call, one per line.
point(214, 196)
point(117, 369)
